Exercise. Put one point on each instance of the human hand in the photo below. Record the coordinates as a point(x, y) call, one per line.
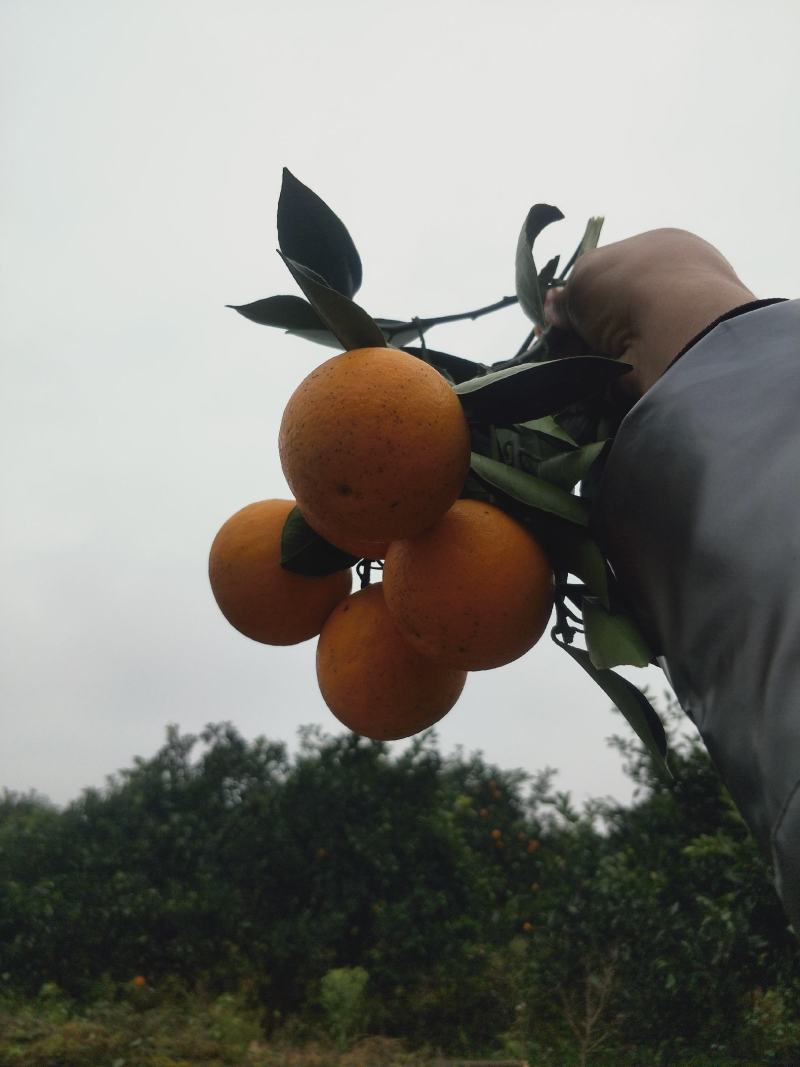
point(643, 299)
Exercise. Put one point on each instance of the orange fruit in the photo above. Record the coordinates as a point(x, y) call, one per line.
point(374, 445)
point(372, 680)
point(361, 548)
point(368, 549)
point(475, 591)
point(255, 593)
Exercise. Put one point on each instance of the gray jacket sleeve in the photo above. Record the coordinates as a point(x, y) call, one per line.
point(699, 512)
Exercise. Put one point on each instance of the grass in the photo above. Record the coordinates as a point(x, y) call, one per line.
point(131, 1027)
point(137, 1031)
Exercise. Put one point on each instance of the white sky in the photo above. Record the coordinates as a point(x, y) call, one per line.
point(143, 146)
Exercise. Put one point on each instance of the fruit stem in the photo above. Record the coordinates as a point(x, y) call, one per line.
point(364, 570)
point(564, 617)
point(526, 343)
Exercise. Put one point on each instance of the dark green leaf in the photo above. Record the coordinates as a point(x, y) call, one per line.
point(547, 273)
point(531, 390)
point(526, 489)
point(575, 552)
point(562, 343)
point(525, 448)
point(349, 323)
point(290, 313)
point(505, 444)
point(311, 234)
point(285, 312)
point(633, 704)
point(613, 639)
point(458, 368)
point(303, 551)
point(296, 316)
point(548, 426)
point(475, 489)
point(582, 420)
point(567, 469)
point(527, 281)
point(570, 547)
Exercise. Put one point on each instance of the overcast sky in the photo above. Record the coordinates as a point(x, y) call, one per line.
point(143, 145)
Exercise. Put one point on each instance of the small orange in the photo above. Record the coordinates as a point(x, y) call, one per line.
point(372, 680)
point(255, 593)
point(474, 591)
point(140, 981)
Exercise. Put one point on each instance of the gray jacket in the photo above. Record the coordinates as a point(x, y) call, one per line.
point(699, 510)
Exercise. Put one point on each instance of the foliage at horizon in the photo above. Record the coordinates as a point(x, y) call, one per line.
point(484, 907)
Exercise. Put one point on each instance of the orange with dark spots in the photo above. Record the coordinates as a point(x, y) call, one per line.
point(374, 445)
point(372, 680)
point(475, 591)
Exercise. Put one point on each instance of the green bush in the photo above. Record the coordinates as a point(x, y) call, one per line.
point(343, 999)
point(489, 913)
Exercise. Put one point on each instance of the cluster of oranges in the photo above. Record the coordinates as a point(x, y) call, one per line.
point(375, 446)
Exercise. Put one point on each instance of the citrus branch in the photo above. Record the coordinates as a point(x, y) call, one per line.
point(440, 320)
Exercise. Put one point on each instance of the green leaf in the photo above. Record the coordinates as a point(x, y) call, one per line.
point(569, 468)
point(591, 236)
point(527, 280)
point(577, 553)
point(531, 390)
point(526, 449)
point(547, 425)
point(290, 313)
point(296, 316)
point(612, 638)
point(285, 312)
point(349, 323)
point(570, 547)
point(458, 368)
point(527, 489)
point(633, 704)
point(311, 234)
point(303, 551)
point(582, 420)
point(547, 274)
